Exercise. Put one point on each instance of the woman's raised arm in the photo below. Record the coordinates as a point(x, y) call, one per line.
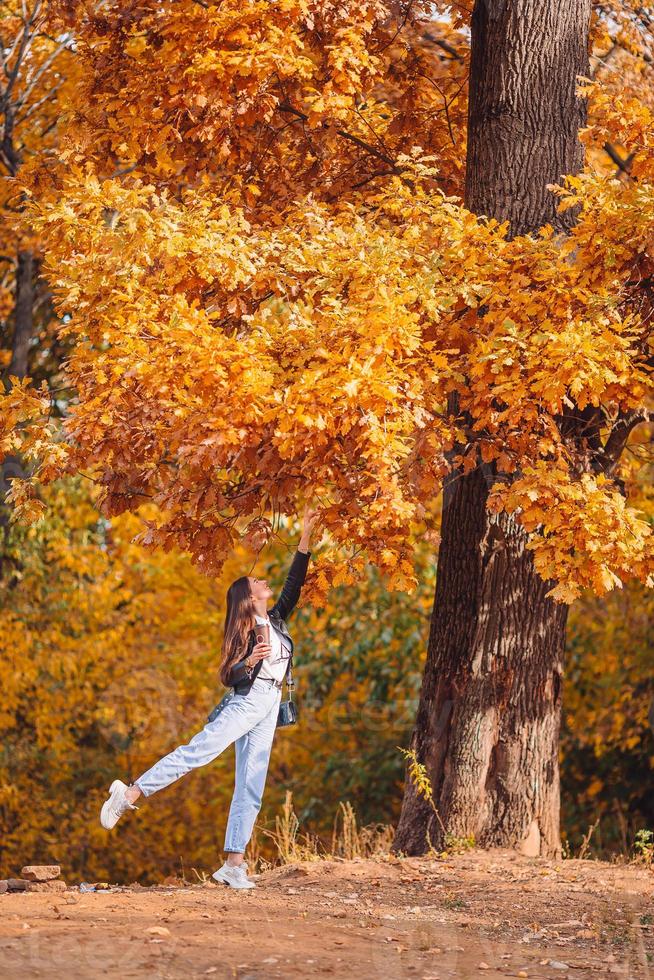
point(297, 573)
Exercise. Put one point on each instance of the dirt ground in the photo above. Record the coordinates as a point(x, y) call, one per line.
point(478, 914)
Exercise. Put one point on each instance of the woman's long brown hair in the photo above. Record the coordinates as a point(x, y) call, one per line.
point(239, 620)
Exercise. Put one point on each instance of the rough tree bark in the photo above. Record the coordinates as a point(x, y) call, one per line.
point(487, 727)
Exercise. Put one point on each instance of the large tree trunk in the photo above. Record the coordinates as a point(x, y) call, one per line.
point(488, 720)
point(487, 727)
point(524, 114)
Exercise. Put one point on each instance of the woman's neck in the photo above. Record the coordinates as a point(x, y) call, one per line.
point(260, 608)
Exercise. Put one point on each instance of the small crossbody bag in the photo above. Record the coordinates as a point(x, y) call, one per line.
point(287, 714)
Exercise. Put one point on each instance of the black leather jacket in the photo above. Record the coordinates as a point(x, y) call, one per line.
point(240, 678)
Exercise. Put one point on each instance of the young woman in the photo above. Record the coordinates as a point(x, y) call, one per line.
point(256, 671)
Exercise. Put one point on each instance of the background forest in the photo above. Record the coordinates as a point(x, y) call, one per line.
point(112, 609)
point(111, 659)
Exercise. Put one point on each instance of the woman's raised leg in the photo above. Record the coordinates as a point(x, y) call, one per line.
point(241, 714)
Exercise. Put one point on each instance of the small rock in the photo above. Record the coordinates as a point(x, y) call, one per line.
point(158, 931)
point(17, 885)
point(40, 872)
point(522, 973)
point(339, 914)
point(483, 966)
point(54, 885)
point(3, 887)
point(558, 965)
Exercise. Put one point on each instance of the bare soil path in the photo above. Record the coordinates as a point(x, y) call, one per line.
point(479, 914)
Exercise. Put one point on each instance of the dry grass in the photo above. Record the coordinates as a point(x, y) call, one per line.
point(348, 839)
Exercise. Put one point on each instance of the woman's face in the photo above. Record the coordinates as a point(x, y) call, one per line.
point(259, 588)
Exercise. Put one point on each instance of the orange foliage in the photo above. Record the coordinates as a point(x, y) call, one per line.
point(267, 288)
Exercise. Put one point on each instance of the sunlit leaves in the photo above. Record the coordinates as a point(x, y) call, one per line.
point(272, 292)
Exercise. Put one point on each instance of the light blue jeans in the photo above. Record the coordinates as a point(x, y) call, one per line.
point(249, 720)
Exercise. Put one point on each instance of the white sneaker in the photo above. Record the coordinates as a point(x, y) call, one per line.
point(234, 875)
point(113, 808)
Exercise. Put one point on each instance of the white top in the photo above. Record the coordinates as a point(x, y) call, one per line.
point(276, 663)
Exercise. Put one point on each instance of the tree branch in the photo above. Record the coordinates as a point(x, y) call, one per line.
point(622, 165)
point(619, 434)
point(444, 45)
point(343, 133)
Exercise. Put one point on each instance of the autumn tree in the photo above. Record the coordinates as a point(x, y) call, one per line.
point(35, 71)
point(271, 286)
point(489, 715)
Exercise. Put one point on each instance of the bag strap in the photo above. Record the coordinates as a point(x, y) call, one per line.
point(288, 677)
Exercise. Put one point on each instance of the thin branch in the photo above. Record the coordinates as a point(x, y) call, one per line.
point(619, 434)
point(41, 70)
point(400, 28)
point(48, 97)
point(443, 44)
point(343, 133)
point(24, 42)
point(372, 130)
point(622, 165)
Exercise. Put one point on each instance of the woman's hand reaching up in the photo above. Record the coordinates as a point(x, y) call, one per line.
point(309, 519)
